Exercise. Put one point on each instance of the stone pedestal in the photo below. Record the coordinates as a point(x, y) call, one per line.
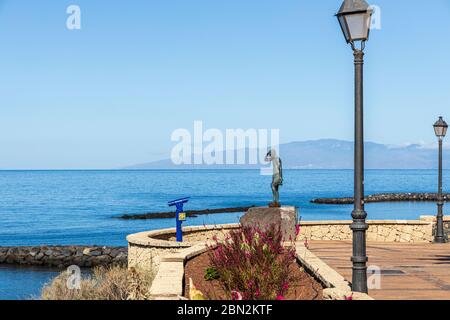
point(285, 217)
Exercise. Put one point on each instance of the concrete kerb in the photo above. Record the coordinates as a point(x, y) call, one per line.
point(169, 281)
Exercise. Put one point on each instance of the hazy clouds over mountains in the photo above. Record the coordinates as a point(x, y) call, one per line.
point(336, 154)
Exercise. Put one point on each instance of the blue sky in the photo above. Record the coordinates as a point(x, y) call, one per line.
point(111, 94)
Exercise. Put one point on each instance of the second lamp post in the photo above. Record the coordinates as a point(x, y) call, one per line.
point(354, 17)
point(440, 128)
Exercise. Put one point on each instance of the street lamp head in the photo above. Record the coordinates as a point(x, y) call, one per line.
point(440, 128)
point(354, 17)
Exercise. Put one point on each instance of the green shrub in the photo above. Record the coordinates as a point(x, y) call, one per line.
point(211, 274)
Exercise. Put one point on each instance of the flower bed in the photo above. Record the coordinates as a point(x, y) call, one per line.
point(305, 287)
point(250, 263)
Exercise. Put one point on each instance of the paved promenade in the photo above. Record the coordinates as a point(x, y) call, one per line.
point(409, 271)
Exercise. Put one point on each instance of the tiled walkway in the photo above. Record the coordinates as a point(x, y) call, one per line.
point(409, 271)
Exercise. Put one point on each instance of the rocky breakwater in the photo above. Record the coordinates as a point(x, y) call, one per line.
point(63, 256)
point(385, 197)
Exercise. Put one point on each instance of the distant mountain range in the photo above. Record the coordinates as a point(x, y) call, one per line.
point(334, 154)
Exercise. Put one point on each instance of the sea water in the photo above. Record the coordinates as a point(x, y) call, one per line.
point(83, 207)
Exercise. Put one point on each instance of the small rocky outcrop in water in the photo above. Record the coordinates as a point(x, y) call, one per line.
point(64, 256)
point(189, 213)
point(385, 197)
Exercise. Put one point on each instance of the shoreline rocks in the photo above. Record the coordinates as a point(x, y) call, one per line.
point(63, 256)
point(385, 197)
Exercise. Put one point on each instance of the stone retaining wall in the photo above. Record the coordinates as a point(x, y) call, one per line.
point(63, 256)
point(380, 231)
point(432, 219)
point(147, 249)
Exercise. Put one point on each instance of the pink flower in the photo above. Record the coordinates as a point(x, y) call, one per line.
point(257, 293)
point(306, 244)
point(292, 254)
point(349, 298)
point(280, 298)
point(236, 295)
point(285, 286)
point(297, 229)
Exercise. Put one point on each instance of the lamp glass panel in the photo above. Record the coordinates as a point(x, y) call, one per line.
point(358, 25)
point(344, 28)
point(440, 131)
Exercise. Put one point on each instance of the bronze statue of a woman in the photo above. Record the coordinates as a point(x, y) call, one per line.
point(277, 179)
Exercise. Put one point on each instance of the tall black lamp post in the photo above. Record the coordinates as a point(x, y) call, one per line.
point(440, 128)
point(354, 17)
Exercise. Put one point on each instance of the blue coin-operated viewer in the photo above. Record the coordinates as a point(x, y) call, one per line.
point(180, 215)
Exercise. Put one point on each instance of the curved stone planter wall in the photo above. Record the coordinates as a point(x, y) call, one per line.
point(147, 249)
point(63, 256)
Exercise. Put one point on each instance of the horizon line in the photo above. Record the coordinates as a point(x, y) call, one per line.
point(223, 169)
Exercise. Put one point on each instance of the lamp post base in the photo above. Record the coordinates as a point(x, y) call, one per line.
point(440, 236)
point(359, 258)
